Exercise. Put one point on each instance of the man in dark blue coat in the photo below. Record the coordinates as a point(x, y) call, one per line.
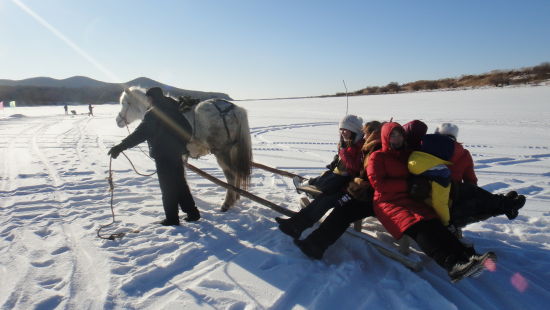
point(167, 132)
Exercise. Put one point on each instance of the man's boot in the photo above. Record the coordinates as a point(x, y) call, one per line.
point(167, 222)
point(291, 226)
point(193, 215)
point(310, 249)
point(513, 203)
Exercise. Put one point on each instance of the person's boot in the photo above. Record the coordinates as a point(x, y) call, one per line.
point(310, 249)
point(167, 222)
point(456, 231)
point(511, 194)
point(193, 215)
point(485, 260)
point(516, 203)
point(519, 201)
point(290, 226)
point(472, 267)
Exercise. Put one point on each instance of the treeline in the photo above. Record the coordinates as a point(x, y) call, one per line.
point(497, 78)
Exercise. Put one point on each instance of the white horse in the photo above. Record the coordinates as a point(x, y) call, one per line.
point(219, 127)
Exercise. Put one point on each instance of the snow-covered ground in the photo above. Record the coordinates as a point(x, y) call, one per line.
point(54, 195)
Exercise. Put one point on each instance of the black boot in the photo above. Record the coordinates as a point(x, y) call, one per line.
point(309, 249)
point(459, 269)
point(193, 215)
point(511, 194)
point(167, 222)
point(514, 205)
point(290, 227)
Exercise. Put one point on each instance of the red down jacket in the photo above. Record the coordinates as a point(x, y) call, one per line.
point(387, 171)
point(351, 158)
point(462, 168)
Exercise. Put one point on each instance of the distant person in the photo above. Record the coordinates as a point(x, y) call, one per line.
point(167, 132)
point(90, 110)
point(66, 108)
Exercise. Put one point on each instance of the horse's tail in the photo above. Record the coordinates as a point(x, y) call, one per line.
point(241, 152)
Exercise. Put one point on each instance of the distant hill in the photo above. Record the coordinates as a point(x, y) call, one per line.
point(81, 89)
point(530, 75)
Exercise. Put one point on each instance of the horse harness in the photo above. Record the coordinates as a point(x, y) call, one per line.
point(229, 106)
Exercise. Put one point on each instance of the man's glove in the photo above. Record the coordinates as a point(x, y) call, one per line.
point(419, 187)
point(115, 151)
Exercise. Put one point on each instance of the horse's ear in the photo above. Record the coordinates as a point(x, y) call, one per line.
point(127, 91)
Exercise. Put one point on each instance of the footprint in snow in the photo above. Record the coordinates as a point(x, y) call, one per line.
point(50, 283)
point(217, 285)
point(60, 250)
point(46, 263)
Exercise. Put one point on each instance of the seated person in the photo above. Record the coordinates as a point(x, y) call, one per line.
point(346, 163)
point(400, 214)
point(351, 207)
point(347, 167)
point(414, 131)
point(471, 203)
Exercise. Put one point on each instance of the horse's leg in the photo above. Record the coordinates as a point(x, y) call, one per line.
point(230, 196)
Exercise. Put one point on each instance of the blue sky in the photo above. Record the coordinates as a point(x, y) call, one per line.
point(261, 49)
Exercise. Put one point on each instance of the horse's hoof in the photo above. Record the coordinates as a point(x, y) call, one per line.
point(224, 208)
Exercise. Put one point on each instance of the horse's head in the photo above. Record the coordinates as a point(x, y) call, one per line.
point(134, 105)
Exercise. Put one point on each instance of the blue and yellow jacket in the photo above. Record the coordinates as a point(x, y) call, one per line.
point(438, 174)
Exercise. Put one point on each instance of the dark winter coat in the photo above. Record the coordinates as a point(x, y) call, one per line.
point(164, 128)
point(388, 173)
point(431, 163)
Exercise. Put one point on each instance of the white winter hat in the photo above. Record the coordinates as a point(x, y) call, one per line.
point(354, 124)
point(447, 129)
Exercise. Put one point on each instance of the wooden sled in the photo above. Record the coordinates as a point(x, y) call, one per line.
point(409, 260)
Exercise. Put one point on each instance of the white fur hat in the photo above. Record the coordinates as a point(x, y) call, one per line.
point(447, 129)
point(354, 124)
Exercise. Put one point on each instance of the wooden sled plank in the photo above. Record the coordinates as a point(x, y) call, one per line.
point(277, 171)
point(242, 192)
point(412, 262)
